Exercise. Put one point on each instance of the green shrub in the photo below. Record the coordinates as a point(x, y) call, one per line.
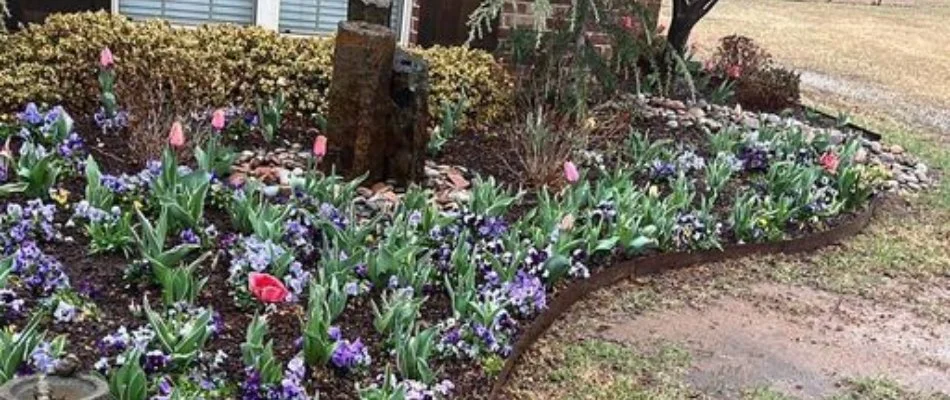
point(208, 67)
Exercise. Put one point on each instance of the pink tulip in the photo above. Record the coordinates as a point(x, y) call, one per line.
point(570, 172)
point(217, 119)
point(320, 146)
point(176, 137)
point(267, 288)
point(829, 161)
point(105, 58)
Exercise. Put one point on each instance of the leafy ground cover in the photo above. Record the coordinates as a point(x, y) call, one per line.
point(175, 279)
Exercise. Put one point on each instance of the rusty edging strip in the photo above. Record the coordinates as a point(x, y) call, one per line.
point(666, 262)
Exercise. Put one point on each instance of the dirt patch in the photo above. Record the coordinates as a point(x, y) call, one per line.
point(798, 340)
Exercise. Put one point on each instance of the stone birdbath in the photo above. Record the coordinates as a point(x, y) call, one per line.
point(78, 387)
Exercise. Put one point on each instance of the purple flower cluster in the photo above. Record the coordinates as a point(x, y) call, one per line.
point(114, 345)
point(473, 339)
point(486, 227)
point(33, 222)
point(31, 115)
point(349, 355)
point(660, 170)
point(605, 211)
point(86, 212)
point(690, 161)
point(65, 312)
point(42, 359)
point(332, 214)
point(41, 273)
point(755, 157)
point(43, 128)
point(691, 231)
point(823, 197)
point(251, 254)
point(11, 306)
point(155, 360)
point(291, 386)
point(111, 124)
point(526, 293)
point(72, 148)
point(416, 390)
point(301, 234)
point(188, 236)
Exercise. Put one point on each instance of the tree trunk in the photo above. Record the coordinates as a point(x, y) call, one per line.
point(373, 11)
point(679, 36)
point(686, 14)
point(359, 120)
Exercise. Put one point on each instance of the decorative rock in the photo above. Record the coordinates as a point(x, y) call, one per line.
point(877, 147)
point(457, 180)
point(697, 113)
point(381, 187)
point(676, 105)
point(896, 149)
point(835, 137)
point(672, 124)
point(751, 123)
point(861, 156)
point(364, 192)
point(462, 196)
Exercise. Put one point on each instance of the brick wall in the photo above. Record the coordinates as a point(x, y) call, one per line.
point(414, 21)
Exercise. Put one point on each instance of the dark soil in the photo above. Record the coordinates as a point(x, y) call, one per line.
point(103, 277)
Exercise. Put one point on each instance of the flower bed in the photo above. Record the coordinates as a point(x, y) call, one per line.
point(223, 270)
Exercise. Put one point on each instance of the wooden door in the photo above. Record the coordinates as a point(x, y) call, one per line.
point(444, 22)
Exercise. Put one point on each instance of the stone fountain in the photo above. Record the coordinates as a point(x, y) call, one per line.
point(77, 387)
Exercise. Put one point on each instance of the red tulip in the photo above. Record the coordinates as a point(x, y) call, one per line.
point(320, 146)
point(626, 22)
point(570, 172)
point(829, 161)
point(734, 71)
point(176, 137)
point(267, 288)
point(217, 119)
point(105, 58)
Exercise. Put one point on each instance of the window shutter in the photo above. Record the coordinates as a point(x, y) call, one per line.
point(191, 12)
point(321, 16)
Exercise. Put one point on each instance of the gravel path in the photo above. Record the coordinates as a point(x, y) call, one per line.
point(913, 111)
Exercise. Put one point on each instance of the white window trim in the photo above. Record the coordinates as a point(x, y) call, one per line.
point(267, 15)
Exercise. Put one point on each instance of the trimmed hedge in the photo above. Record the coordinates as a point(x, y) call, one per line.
point(212, 65)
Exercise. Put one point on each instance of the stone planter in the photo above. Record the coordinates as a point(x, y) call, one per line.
point(79, 387)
